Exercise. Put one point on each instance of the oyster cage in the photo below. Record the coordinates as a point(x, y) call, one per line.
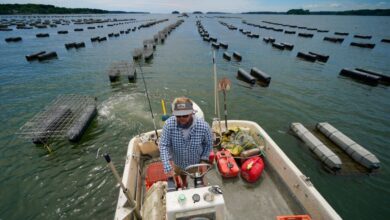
point(57, 118)
point(121, 68)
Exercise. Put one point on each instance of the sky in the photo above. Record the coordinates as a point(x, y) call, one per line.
point(234, 6)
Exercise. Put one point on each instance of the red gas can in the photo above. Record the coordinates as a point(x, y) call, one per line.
point(211, 157)
point(252, 169)
point(227, 166)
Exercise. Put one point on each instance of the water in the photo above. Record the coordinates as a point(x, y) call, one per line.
point(71, 183)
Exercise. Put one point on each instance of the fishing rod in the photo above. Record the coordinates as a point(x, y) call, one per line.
point(147, 96)
point(216, 96)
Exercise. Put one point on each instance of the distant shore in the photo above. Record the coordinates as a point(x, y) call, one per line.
point(16, 9)
point(362, 12)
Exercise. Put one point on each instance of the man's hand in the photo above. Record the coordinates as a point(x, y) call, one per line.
point(203, 169)
point(171, 173)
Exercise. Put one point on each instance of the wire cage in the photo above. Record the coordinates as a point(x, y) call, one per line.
point(57, 118)
point(124, 68)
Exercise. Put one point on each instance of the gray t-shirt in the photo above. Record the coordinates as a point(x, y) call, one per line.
point(186, 131)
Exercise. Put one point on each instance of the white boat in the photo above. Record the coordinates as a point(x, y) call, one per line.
point(282, 189)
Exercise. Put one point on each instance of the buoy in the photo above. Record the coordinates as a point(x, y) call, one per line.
point(102, 39)
point(364, 45)
point(81, 124)
point(384, 79)
point(356, 151)
point(361, 76)
point(261, 76)
point(245, 76)
point(307, 35)
point(278, 46)
point(237, 56)
point(334, 39)
point(321, 150)
point(320, 57)
point(79, 45)
point(40, 35)
point(62, 32)
point(70, 45)
point(269, 39)
point(288, 46)
point(341, 33)
point(226, 56)
point(34, 56)
point(362, 36)
point(13, 39)
point(213, 39)
point(223, 45)
point(47, 56)
point(306, 56)
point(94, 39)
point(289, 32)
point(322, 31)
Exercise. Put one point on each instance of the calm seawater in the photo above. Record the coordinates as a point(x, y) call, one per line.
point(71, 183)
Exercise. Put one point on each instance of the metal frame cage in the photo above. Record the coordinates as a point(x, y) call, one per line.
point(55, 120)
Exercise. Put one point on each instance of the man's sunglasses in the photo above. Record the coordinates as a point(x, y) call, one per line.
point(182, 116)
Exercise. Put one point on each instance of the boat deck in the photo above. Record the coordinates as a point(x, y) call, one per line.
point(265, 199)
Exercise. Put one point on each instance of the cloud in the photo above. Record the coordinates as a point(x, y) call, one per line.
point(382, 4)
point(327, 6)
point(334, 5)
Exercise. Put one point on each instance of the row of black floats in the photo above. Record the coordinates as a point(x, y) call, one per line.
point(216, 45)
point(312, 56)
point(41, 56)
point(149, 45)
point(368, 77)
point(255, 75)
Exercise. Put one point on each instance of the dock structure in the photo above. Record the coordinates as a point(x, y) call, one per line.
point(66, 117)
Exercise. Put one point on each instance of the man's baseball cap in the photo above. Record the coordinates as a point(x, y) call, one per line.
point(182, 106)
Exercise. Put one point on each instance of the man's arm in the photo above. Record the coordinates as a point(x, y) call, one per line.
point(164, 149)
point(207, 145)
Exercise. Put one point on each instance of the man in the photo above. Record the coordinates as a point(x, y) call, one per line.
point(186, 139)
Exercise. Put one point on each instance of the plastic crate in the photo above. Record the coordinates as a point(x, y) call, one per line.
point(154, 173)
point(293, 217)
